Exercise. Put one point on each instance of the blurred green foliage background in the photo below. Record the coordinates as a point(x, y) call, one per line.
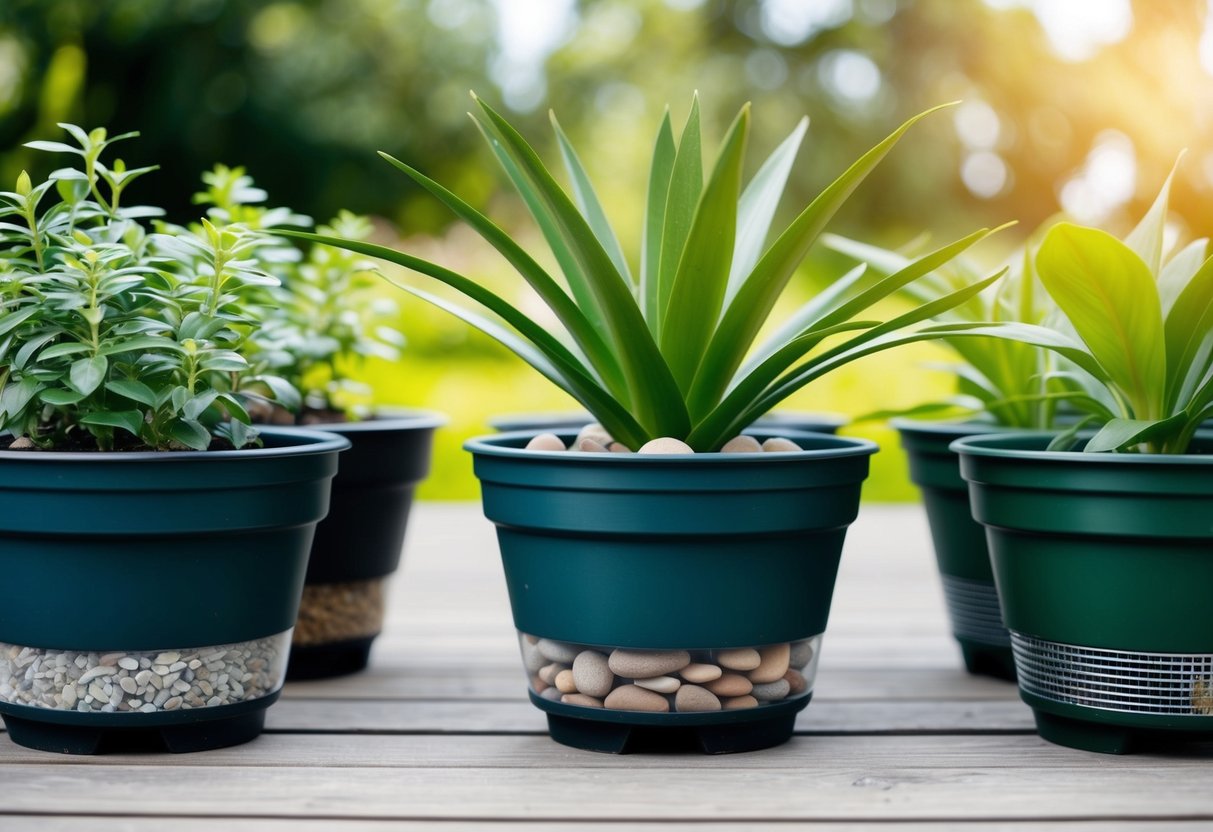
point(1074, 105)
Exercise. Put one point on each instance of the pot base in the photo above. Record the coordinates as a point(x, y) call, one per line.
point(123, 733)
point(986, 660)
point(324, 661)
point(719, 732)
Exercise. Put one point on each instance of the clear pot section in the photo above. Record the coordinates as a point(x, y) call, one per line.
point(340, 612)
point(669, 681)
point(147, 681)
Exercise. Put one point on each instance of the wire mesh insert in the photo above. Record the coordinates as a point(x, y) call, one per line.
point(1115, 680)
point(974, 611)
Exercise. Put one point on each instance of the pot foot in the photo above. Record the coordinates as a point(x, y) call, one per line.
point(183, 738)
point(617, 738)
point(1085, 736)
point(988, 660)
point(324, 661)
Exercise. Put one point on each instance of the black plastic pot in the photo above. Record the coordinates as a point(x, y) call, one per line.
point(573, 421)
point(619, 565)
point(1104, 564)
point(960, 543)
point(358, 546)
point(149, 597)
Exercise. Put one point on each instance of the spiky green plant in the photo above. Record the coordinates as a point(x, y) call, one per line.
point(666, 354)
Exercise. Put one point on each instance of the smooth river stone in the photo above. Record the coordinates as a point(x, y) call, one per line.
point(665, 445)
point(632, 698)
point(742, 445)
point(661, 684)
point(545, 442)
point(797, 684)
point(548, 672)
point(741, 658)
point(581, 699)
point(778, 444)
point(644, 664)
point(538, 684)
point(730, 684)
point(801, 654)
point(774, 663)
point(565, 683)
point(532, 659)
point(697, 674)
point(738, 702)
point(591, 446)
point(694, 698)
point(596, 432)
point(771, 691)
point(552, 694)
point(557, 651)
point(592, 675)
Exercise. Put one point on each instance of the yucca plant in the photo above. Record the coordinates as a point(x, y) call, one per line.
point(665, 353)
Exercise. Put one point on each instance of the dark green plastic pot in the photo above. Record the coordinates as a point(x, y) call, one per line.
point(699, 552)
point(358, 546)
point(1104, 563)
point(960, 543)
point(170, 557)
point(573, 421)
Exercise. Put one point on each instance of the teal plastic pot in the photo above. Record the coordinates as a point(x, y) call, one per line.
point(149, 597)
point(1104, 563)
point(573, 421)
point(632, 575)
point(960, 543)
point(358, 545)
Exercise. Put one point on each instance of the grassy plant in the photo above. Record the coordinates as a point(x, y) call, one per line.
point(112, 336)
point(670, 352)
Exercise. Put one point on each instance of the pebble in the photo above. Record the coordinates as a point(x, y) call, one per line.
point(742, 445)
point(545, 442)
point(538, 684)
point(741, 658)
point(632, 698)
point(93, 682)
point(591, 446)
point(619, 448)
point(564, 682)
point(592, 674)
point(665, 445)
point(772, 665)
point(661, 684)
point(797, 684)
point(730, 684)
point(581, 699)
point(734, 703)
point(697, 674)
point(771, 691)
point(548, 672)
point(552, 694)
point(801, 654)
point(596, 432)
point(645, 664)
point(557, 651)
point(532, 659)
point(694, 698)
point(777, 444)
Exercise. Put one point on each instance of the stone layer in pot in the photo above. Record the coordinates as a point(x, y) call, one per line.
point(712, 572)
point(150, 596)
point(960, 545)
point(1104, 564)
point(574, 421)
point(358, 546)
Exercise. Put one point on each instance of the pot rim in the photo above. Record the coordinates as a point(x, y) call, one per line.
point(993, 446)
point(499, 445)
point(300, 442)
point(392, 418)
point(943, 427)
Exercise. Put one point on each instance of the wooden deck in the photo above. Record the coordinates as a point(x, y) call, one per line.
point(440, 731)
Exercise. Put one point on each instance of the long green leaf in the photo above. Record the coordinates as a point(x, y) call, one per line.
point(656, 399)
point(1179, 270)
point(686, 185)
point(578, 325)
point(758, 204)
point(1108, 294)
point(654, 223)
point(754, 301)
point(1146, 238)
point(588, 202)
point(1187, 327)
point(703, 273)
point(1122, 434)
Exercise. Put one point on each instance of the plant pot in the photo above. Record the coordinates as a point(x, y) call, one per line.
point(1104, 564)
point(960, 543)
point(573, 421)
point(149, 597)
point(358, 546)
point(624, 566)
